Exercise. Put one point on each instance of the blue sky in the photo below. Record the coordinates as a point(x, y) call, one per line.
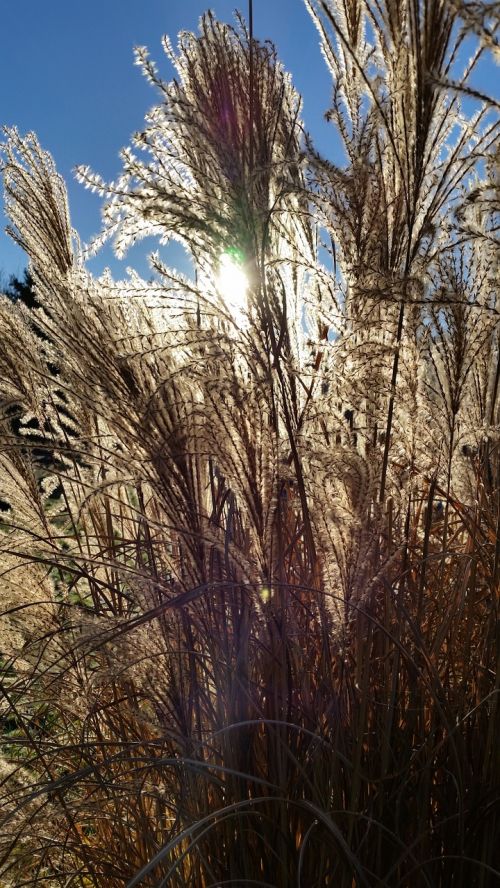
point(68, 74)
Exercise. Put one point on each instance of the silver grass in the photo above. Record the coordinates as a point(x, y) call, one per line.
point(250, 558)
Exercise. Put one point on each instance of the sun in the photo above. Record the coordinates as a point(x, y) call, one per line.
point(232, 284)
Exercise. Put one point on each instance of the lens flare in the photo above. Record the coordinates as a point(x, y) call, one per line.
point(232, 284)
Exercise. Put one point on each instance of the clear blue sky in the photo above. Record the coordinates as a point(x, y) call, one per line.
point(68, 74)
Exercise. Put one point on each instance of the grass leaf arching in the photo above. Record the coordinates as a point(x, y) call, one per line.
point(249, 621)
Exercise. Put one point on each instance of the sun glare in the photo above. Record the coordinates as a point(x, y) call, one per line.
point(232, 284)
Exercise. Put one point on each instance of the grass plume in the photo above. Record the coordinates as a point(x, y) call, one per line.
point(250, 560)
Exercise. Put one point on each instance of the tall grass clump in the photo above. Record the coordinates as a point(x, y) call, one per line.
point(250, 533)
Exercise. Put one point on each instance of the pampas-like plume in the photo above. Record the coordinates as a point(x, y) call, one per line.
point(250, 558)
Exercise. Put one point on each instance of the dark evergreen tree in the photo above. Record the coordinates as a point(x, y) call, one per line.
point(21, 289)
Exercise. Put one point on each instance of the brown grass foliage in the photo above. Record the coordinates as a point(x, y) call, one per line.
point(250, 547)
